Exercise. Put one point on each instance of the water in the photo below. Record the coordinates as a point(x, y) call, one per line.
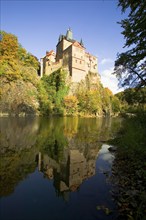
point(56, 169)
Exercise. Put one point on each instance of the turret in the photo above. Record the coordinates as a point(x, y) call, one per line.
point(81, 43)
point(60, 38)
point(69, 34)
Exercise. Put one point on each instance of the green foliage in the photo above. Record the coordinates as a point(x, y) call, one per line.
point(45, 103)
point(90, 102)
point(51, 139)
point(56, 89)
point(96, 100)
point(106, 100)
point(116, 105)
point(130, 66)
point(133, 100)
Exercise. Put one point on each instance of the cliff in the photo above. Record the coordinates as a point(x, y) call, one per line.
point(18, 98)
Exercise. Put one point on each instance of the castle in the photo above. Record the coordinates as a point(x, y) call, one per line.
point(72, 56)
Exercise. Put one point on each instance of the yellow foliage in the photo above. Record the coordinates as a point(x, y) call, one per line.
point(71, 104)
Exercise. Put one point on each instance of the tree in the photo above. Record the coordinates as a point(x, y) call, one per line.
point(15, 61)
point(106, 100)
point(56, 89)
point(71, 104)
point(130, 66)
point(8, 54)
point(116, 107)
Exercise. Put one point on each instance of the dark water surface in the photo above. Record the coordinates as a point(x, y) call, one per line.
point(56, 169)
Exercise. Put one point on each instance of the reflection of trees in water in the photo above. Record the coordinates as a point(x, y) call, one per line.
point(18, 132)
point(17, 138)
point(84, 138)
point(14, 168)
point(68, 149)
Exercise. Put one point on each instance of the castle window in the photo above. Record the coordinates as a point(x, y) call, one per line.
point(76, 61)
point(80, 62)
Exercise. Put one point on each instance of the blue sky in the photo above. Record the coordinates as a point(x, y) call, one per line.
point(38, 24)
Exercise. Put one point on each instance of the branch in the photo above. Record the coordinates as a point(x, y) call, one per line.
point(144, 81)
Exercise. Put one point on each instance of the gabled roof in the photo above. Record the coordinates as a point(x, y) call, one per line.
point(77, 44)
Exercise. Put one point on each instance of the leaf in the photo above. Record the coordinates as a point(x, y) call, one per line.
point(98, 207)
point(107, 211)
point(130, 217)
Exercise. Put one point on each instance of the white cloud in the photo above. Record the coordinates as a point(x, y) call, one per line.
point(106, 60)
point(109, 80)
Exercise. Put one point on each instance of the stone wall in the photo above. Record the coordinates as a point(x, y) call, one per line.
point(78, 75)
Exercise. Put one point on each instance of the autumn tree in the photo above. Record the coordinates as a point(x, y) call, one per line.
point(130, 66)
point(8, 54)
point(15, 61)
point(71, 104)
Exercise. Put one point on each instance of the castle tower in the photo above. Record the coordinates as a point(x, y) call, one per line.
point(64, 42)
point(69, 34)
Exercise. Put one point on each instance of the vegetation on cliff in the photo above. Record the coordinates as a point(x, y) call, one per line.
point(23, 92)
point(19, 79)
point(87, 98)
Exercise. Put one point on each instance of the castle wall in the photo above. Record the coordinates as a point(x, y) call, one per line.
point(90, 63)
point(67, 59)
point(50, 68)
point(78, 61)
point(59, 51)
point(78, 75)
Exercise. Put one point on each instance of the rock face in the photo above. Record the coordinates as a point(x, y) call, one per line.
point(18, 98)
point(91, 82)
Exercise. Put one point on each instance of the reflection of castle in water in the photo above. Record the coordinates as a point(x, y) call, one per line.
point(75, 167)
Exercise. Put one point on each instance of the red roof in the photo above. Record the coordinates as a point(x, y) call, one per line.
point(50, 53)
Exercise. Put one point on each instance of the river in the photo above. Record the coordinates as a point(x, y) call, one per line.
point(56, 168)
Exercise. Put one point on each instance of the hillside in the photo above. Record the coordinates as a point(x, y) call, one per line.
point(23, 92)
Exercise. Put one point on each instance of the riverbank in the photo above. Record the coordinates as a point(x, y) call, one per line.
point(129, 169)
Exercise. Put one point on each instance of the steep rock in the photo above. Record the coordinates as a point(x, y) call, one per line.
point(18, 98)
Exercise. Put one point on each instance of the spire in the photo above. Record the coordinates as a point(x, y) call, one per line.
point(60, 38)
point(81, 42)
point(69, 34)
